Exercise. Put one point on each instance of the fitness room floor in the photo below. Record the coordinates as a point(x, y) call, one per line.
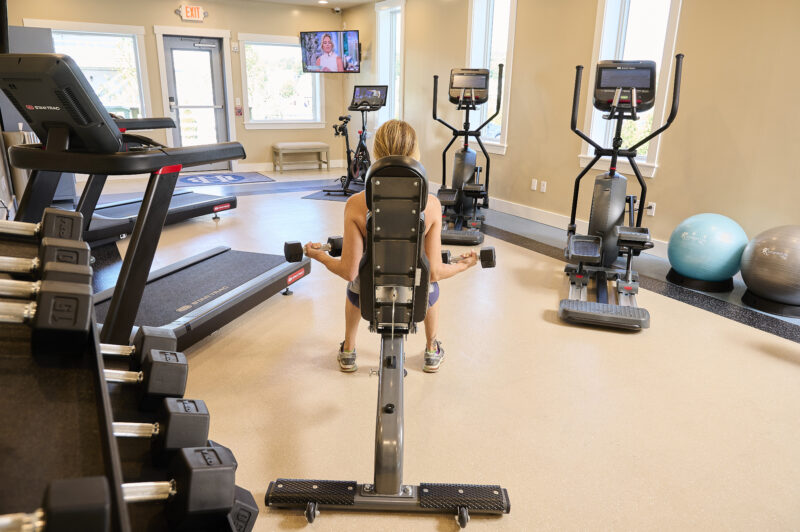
point(691, 424)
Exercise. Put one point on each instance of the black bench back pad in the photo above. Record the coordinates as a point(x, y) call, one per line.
point(394, 258)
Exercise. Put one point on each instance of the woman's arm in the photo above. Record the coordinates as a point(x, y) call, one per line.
point(339, 64)
point(352, 248)
point(433, 246)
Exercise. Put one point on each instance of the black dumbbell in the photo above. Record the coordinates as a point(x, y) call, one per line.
point(59, 318)
point(243, 514)
point(196, 501)
point(51, 250)
point(52, 272)
point(487, 256)
point(181, 423)
point(70, 504)
point(145, 340)
point(55, 223)
point(202, 489)
point(293, 251)
point(163, 374)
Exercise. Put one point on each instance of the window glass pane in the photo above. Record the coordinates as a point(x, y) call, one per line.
point(198, 126)
point(110, 63)
point(497, 54)
point(644, 39)
point(395, 85)
point(277, 88)
point(193, 85)
point(644, 31)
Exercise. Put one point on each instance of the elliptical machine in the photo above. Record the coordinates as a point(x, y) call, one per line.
point(469, 87)
point(623, 88)
point(366, 98)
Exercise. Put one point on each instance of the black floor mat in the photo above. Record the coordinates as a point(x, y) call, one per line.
point(167, 299)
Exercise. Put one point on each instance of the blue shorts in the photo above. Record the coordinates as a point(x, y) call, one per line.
point(433, 296)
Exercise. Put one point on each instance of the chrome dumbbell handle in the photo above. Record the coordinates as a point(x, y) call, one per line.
point(115, 375)
point(135, 430)
point(17, 312)
point(18, 265)
point(148, 491)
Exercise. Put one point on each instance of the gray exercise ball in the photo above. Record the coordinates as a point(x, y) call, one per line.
point(771, 264)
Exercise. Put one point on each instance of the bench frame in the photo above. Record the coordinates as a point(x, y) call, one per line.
point(279, 163)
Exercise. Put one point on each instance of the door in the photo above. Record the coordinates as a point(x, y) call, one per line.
point(196, 92)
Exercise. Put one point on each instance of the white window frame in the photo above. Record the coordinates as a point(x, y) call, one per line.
point(474, 61)
point(648, 165)
point(383, 72)
point(319, 87)
point(198, 31)
point(89, 27)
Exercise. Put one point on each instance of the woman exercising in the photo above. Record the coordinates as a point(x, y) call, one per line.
point(394, 137)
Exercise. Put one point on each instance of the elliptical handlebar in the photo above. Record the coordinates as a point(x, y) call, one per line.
point(435, 104)
point(573, 125)
point(673, 112)
point(499, 96)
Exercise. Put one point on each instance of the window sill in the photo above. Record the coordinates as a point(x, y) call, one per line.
point(623, 166)
point(284, 125)
point(495, 147)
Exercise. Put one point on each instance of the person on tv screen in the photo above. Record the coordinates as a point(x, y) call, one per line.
point(329, 61)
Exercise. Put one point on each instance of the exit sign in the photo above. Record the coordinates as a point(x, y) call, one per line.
point(192, 13)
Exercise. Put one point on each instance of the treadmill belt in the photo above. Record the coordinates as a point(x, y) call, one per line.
point(127, 210)
point(171, 297)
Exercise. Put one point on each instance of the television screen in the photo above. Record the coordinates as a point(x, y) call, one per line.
point(330, 51)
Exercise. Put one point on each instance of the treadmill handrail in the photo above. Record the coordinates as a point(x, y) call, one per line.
point(34, 157)
point(134, 124)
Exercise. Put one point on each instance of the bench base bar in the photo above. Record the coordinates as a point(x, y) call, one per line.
point(425, 498)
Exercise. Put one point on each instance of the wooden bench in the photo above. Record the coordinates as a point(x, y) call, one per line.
point(281, 148)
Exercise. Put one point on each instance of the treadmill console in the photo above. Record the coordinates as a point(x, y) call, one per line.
point(469, 86)
point(368, 97)
point(49, 91)
point(626, 76)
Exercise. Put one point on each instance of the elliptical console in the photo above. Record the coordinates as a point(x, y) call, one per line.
point(638, 77)
point(469, 86)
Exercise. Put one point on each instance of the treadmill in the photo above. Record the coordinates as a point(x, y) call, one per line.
point(56, 100)
point(109, 221)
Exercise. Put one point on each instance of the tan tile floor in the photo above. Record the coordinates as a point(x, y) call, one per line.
point(693, 424)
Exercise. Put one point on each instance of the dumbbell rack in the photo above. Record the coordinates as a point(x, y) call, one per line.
point(57, 423)
point(56, 418)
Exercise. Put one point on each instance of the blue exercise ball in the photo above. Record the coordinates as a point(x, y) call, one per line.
point(707, 247)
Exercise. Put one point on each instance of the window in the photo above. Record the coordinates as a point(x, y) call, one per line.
point(491, 44)
point(638, 30)
point(277, 93)
point(110, 58)
point(390, 56)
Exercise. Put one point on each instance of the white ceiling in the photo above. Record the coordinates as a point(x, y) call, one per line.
point(344, 4)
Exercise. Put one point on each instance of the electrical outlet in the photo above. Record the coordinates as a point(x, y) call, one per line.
point(534, 184)
point(543, 188)
point(651, 208)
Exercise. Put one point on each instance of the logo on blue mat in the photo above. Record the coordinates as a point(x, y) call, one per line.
point(221, 179)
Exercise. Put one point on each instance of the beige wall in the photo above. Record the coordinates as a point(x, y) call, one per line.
point(234, 15)
point(729, 150)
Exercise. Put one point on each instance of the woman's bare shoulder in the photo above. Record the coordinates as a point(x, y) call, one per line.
point(356, 204)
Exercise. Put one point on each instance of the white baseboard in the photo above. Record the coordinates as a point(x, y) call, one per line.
point(270, 167)
point(550, 218)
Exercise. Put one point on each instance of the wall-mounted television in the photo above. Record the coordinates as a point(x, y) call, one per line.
point(330, 51)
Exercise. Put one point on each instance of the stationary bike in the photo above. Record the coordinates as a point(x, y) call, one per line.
point(469, 87)
point(366, 98)
point(623, 89)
